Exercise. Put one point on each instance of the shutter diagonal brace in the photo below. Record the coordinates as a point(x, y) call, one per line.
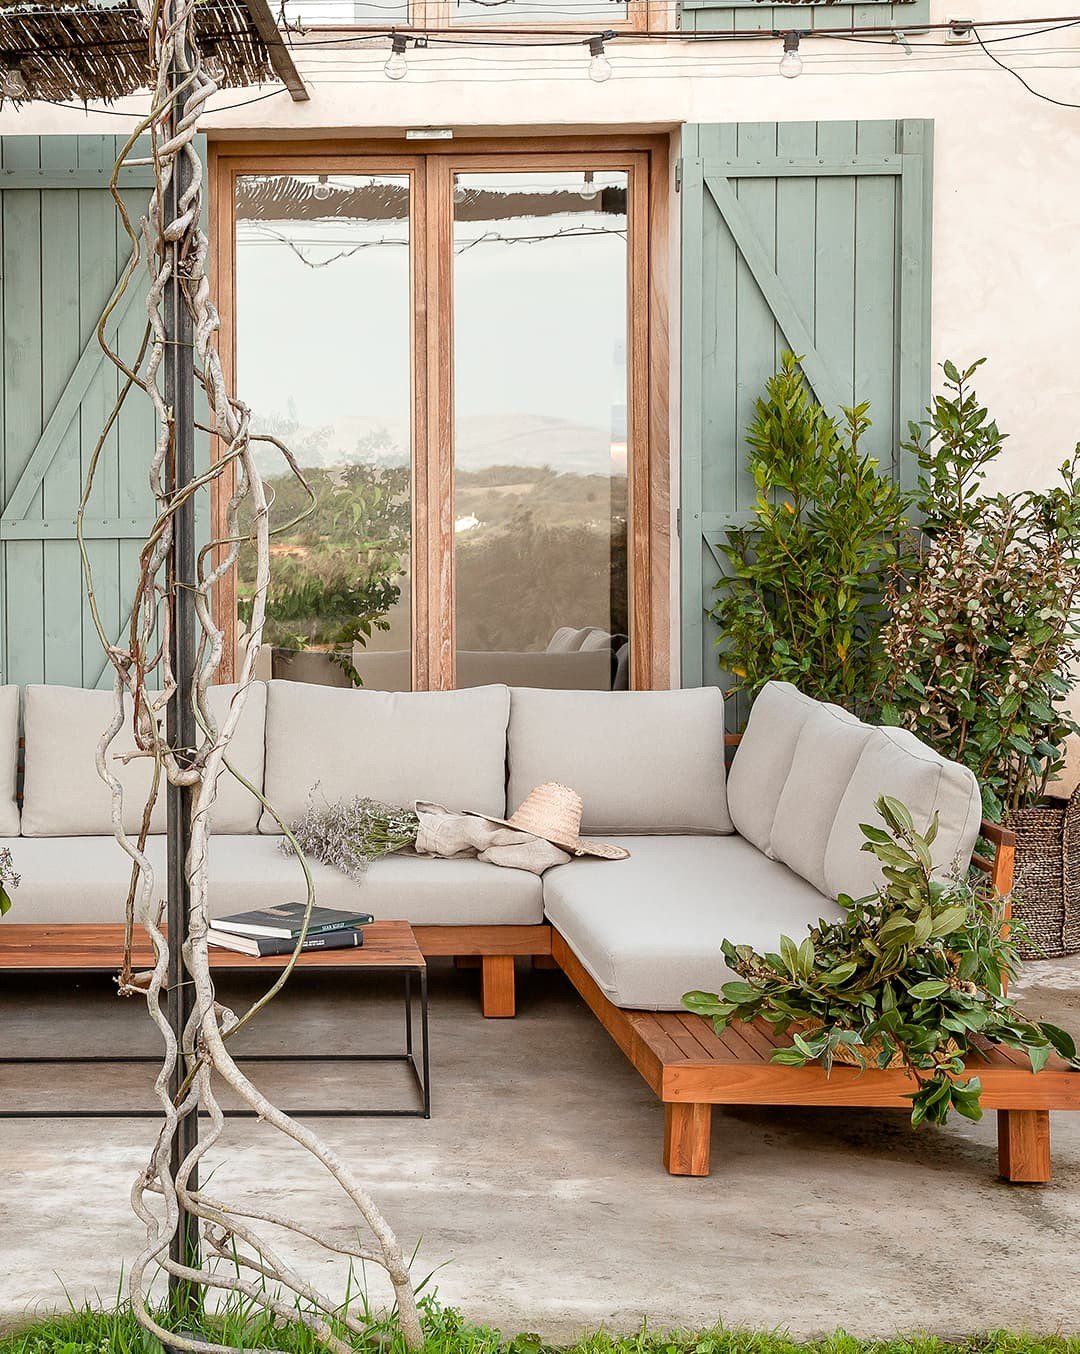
point(67, 406)
point(828, 390)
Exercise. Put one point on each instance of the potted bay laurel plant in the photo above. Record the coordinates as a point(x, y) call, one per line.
point(800, 599)
point(982, 643)
point(911, 977)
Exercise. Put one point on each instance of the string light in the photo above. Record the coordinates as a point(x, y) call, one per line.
point(791, 63)
point(396, 67)
point(599, 65)
point(322, 190)
point(590, 189)
point(13, 78)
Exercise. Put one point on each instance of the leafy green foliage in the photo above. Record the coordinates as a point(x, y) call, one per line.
point(335, 576)
point(801, 598)
point(916, 971)
point(984, 624)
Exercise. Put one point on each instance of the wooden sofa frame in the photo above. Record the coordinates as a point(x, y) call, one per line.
point(691, 1069)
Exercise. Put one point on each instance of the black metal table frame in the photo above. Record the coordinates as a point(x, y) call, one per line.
point(421, 1073)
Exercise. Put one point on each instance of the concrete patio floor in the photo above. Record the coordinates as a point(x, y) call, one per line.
point(536, 1189)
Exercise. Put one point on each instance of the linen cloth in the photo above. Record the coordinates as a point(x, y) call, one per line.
point(444, 833)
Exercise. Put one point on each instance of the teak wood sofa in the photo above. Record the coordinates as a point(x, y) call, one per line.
point(749, 854)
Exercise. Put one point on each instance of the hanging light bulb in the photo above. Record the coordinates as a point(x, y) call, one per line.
point(791, 62)
point(590, 189)
point(599, 65)
point(460, 191)
point(322, 190)
point(12, 81)
point(396, 67)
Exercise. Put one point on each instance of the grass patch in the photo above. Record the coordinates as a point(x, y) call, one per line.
point(117, 1332)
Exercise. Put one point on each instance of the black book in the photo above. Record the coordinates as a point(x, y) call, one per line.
point(261, 947)
point(286, 921)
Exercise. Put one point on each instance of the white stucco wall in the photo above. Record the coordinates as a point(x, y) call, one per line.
point(1006, 276)
point(1007, 194)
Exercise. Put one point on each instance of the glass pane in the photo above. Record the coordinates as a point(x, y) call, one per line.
point(323, 358)
point(540, 391)
point(483, 13)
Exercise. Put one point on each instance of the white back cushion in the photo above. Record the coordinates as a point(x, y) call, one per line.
point(397, 746)
point(9, 761)
point(763, 760)
point(807, 774)
point(63, 796)
point(895, 762)
point(830, 744)
point(642, 761)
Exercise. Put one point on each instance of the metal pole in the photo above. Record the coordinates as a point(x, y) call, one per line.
point(181, 728)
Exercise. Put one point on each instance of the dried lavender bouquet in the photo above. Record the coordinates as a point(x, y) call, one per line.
point(350, 833)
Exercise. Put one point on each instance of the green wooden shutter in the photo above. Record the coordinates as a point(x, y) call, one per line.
point(63, 252)
point(813, 237)
point(732, 16)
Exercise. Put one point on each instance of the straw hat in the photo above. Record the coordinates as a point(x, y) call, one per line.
point(553, 812)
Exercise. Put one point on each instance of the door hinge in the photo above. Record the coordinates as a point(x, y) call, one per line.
point(678, 523)
point(678, 176)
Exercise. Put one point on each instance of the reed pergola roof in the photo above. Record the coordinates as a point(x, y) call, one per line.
point(82, 50)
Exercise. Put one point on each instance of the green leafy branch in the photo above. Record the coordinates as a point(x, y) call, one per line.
point(914, 975)
point(800, 598)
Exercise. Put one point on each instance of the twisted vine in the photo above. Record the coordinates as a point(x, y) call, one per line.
point(144, 683)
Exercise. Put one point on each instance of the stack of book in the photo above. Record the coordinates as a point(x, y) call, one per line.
point(275, 930)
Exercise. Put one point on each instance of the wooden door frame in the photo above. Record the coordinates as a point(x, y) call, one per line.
point(646, 159)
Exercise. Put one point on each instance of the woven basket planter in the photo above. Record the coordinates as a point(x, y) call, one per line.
point(1047, 897)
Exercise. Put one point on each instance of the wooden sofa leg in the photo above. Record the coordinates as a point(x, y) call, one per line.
point(687, 1131)
point(497, 985)
point(1024, 1146)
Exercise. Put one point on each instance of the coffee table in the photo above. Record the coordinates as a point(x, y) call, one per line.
point(389, 947)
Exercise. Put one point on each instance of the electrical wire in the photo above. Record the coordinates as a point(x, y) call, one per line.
point(1010, 70)
point(119, 113)
point(891, 42)
point(440, 59)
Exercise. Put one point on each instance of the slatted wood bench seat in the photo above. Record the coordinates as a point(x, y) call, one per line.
point(690, 1069)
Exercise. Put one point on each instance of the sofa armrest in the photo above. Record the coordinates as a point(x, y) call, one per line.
point(999, 866)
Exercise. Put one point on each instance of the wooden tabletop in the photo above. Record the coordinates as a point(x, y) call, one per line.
point(89, 948)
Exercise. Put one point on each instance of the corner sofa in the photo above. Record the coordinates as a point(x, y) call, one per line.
point(747, 854)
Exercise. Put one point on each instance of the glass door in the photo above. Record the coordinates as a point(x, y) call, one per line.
point(454, 348)
point(540, 428)
point(324, 358)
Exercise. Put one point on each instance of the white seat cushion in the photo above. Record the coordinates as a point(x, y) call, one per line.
point(397, 746)
point(649, 929)
point(642, 761)
point(63, 794)
point(85, 879)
